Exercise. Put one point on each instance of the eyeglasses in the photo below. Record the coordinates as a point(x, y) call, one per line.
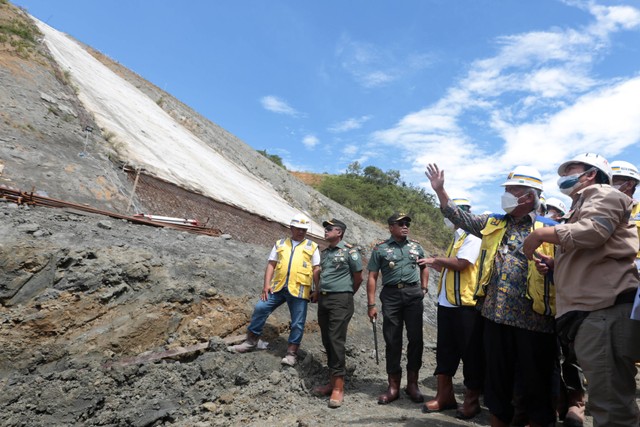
point(329, 228)
point(403, 223)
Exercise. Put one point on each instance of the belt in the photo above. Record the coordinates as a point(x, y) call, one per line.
point(402, 285)
point(626, 297)
point(335, 293)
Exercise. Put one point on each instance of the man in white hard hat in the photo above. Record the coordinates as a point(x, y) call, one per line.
point(626, 179)
point(516, 300)
point(292, 270)
point(572, 392)
point(555, 209)
point(596, 284)
point(459, 322)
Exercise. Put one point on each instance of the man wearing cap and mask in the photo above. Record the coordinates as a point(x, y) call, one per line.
point(516, 301)
point(292, 269)
point(555, 209)
point(404, 284)
point(459, 322)
point(340, 278)
point(597, 282)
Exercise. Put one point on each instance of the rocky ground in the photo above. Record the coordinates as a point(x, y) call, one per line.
point(81, 293)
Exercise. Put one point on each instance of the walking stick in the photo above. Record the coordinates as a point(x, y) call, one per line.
point(375, 339)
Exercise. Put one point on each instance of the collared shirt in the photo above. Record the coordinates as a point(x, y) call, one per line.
point(505, 301)
point(398, 262)
point(598, 246)
point(338, 266)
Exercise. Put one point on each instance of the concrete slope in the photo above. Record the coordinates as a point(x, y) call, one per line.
point(149, 138)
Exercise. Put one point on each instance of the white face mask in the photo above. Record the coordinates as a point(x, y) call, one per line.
point(449, 224)
point(509, 202)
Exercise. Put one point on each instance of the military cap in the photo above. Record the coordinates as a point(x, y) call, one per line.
point(398, 216)
point(335, 222)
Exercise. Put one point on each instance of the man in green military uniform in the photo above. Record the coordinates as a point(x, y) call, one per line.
point(404, 284)
point(340, 278)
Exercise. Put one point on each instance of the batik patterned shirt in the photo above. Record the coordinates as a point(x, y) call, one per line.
point(505, 301)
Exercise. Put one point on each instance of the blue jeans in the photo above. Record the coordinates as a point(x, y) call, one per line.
point(297, 309)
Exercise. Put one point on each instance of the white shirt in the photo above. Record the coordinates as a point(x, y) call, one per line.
point(469, 251)
point(315, 258)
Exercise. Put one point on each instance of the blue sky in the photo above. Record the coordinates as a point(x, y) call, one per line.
point(477, 86)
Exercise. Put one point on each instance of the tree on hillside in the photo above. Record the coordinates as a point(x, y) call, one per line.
point(375, 195)
point(273, 157)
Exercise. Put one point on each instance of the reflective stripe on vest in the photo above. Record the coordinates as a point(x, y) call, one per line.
point(459, 285)
point(540, 289)
point(294, 268)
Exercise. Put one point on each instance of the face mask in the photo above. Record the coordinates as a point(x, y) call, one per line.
point(449, 224)
point(509, 202)
point(570, 183)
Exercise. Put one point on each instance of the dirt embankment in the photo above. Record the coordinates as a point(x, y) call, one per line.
point(82, 292)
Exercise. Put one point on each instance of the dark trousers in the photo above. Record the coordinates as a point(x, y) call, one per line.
point(402, 308)
point(572, 376)
point(533, 356)
point(460, 338)
point(334, 313)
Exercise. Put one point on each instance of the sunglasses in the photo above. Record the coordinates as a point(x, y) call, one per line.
point(329, 228)
point(403, 223)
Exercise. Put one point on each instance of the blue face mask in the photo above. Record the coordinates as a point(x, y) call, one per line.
point(568, 184)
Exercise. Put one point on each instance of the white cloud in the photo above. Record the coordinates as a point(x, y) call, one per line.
point(350, 150)
point(537, 100)
point(349, 124)
point(375, 66)
point(310, 141)
point(277, 105)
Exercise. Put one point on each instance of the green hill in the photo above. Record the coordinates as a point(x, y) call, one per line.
point(376, 194)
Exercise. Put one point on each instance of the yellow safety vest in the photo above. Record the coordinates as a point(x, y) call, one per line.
point(294, 267)
point(635, 217)
point(540, 289)
point(459, 285)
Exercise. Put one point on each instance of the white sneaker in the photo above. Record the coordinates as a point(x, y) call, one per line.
point(245, 347)
point(290, 359)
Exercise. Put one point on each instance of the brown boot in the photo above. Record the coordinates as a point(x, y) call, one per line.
point(412, 387)
point(337, 395)
point(575, 413)
point(444, 396)
point(392, 392)
point(323, 390)
point(471, 405)
point(248, 345)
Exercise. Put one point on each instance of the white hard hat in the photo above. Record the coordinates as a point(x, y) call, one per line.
point(626, 169)
point(461, 201)
point(525, 176)
point(591, 159)
point(300, 221)
point(552, 202)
